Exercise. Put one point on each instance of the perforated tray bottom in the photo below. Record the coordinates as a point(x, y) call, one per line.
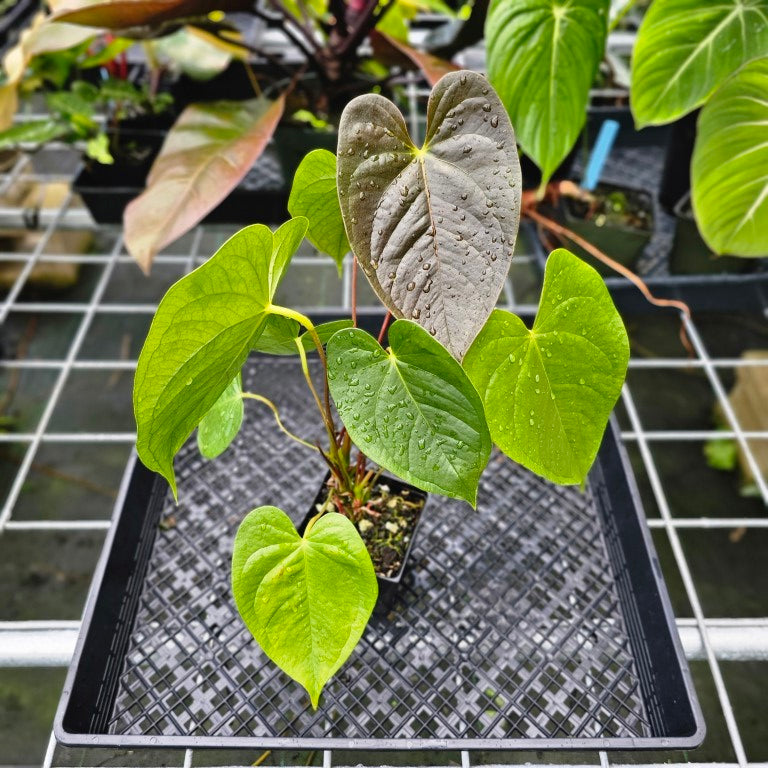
point(508, 626)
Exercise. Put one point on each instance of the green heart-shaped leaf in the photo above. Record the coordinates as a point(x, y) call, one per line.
point(434, 228)
point(542, 58)
point(548, 391)
point(412, 409)
point(686, 48)
point(314, 195)
point(201, 335)
point(729, 172)
point(221, 424)
point(305, 600)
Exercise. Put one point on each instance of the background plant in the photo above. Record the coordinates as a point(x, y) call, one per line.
point(713, 55)
point(542, 58)
point(433, 228)
point(77, 114)
point(218, 142)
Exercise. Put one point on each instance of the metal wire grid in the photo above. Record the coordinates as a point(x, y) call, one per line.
point(711, 639)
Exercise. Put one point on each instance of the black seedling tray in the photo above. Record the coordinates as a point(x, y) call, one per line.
point(539, 621)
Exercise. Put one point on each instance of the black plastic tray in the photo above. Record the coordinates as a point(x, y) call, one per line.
point(540, 621)
point(701, 290)
point(262, 194)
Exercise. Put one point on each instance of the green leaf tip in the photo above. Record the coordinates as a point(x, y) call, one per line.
point(412, 409)
point(201, 335)
point(286, 589)
point(549, 391)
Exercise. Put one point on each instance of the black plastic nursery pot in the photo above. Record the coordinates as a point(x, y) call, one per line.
point(690, 255)
point(538, 621)
point(622, 242)
point(107, 189)
point(601, 109)
point(388, 584)
point(232, 84)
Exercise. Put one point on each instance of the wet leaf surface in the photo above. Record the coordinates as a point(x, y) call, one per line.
point(412, 409)
point(221, 424)
point(305, 600)
point(434, 228)
point(548, 391)
point(314, 195)
point(202, 333)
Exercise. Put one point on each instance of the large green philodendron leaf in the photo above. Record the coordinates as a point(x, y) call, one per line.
point(686, 48)
point(203, 158)
point(433, 228)
point(305, 600)
point(219, 427)
point(548, 391)
point(542, 59)
point(729, 172)
point(201, 335)
point(314, 195)
point(411, 409)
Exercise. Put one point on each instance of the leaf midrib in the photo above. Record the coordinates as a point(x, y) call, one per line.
point(573, 461)
point(696, 50)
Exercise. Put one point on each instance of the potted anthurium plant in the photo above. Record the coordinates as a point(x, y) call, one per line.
point(713, 57)
point(434, 229)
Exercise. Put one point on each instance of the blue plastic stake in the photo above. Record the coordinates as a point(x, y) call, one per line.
point(599, 155)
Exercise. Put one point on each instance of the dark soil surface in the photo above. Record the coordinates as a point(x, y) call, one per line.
point(388, 522)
